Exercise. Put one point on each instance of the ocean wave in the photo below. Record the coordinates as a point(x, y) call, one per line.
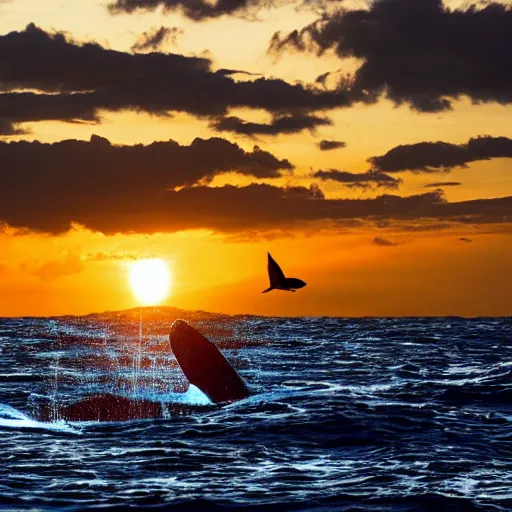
point(345, 414)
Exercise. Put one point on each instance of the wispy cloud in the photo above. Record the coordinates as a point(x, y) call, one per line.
point(154, 39)
point(329, 145)
point(360, 180)
point(383, 242)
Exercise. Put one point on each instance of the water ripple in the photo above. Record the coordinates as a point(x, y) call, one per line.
point(346, 414)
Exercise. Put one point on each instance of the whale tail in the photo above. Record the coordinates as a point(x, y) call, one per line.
point(277, 279)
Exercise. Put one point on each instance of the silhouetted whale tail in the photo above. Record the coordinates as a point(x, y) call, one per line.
point(204, 365)
point(277, 279)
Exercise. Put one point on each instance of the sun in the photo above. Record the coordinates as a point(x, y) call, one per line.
point(150, 281)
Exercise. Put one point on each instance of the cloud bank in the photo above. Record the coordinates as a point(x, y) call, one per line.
point(76, 81)
point(127, 199)
point(419, 52)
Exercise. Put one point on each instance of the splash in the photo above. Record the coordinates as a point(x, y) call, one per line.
point(14, 419)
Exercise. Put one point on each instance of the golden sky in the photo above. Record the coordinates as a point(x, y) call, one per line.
point(76, 216)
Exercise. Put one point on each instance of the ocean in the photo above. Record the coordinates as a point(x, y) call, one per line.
point(370, 414)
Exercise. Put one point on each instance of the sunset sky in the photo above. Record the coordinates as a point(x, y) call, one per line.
point(366, 145)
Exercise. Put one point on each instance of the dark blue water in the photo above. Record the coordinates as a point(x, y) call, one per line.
point(359, 415)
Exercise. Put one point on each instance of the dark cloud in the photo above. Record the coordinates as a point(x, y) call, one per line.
point(383, 242)
point(25, 107)
point(229, 72)
point(137, 197)
point(77, 81)
point(418, 52)
point(328, 145)
point(487, 147)
point(441, 156)
point(464, 239)
point(199, 10)
point(96, 176)
point(443, 184)
point(196, 9)
point(155, 38)
point(280, 124)
point(8, 128)
point(360, 180)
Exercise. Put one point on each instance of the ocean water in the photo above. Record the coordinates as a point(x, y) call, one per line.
point(345, 414)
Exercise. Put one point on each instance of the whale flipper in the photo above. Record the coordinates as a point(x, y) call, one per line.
point(204, 365)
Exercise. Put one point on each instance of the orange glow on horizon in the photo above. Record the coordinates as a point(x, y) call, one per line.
point(424, 273)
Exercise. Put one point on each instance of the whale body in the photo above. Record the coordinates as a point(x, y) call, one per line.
point(200, 360)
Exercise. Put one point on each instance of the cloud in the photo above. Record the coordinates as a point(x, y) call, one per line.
point(430, 157)
point(66, 266)
point(383, 242)
point(159, 165)
point(360, 180)
point(156, 37)
point(25, 107)
point(197, 10)
point(95, 176)
point(328, 145)
point(200, 10)
point(228, 72)
point(104, 196)
point(100, 257)
point(8, 128)
point(443, 184)
point(281, 124)
point(418, 52)
point(76, 81)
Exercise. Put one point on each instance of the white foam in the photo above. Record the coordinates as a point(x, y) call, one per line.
point(193, 396)
point(12, 418)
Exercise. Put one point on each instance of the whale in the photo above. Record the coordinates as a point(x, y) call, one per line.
point(277, 279)
point(202, 363)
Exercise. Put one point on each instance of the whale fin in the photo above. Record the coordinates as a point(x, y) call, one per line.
point(204, 365)
point(275, 274)
point(268, 290)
